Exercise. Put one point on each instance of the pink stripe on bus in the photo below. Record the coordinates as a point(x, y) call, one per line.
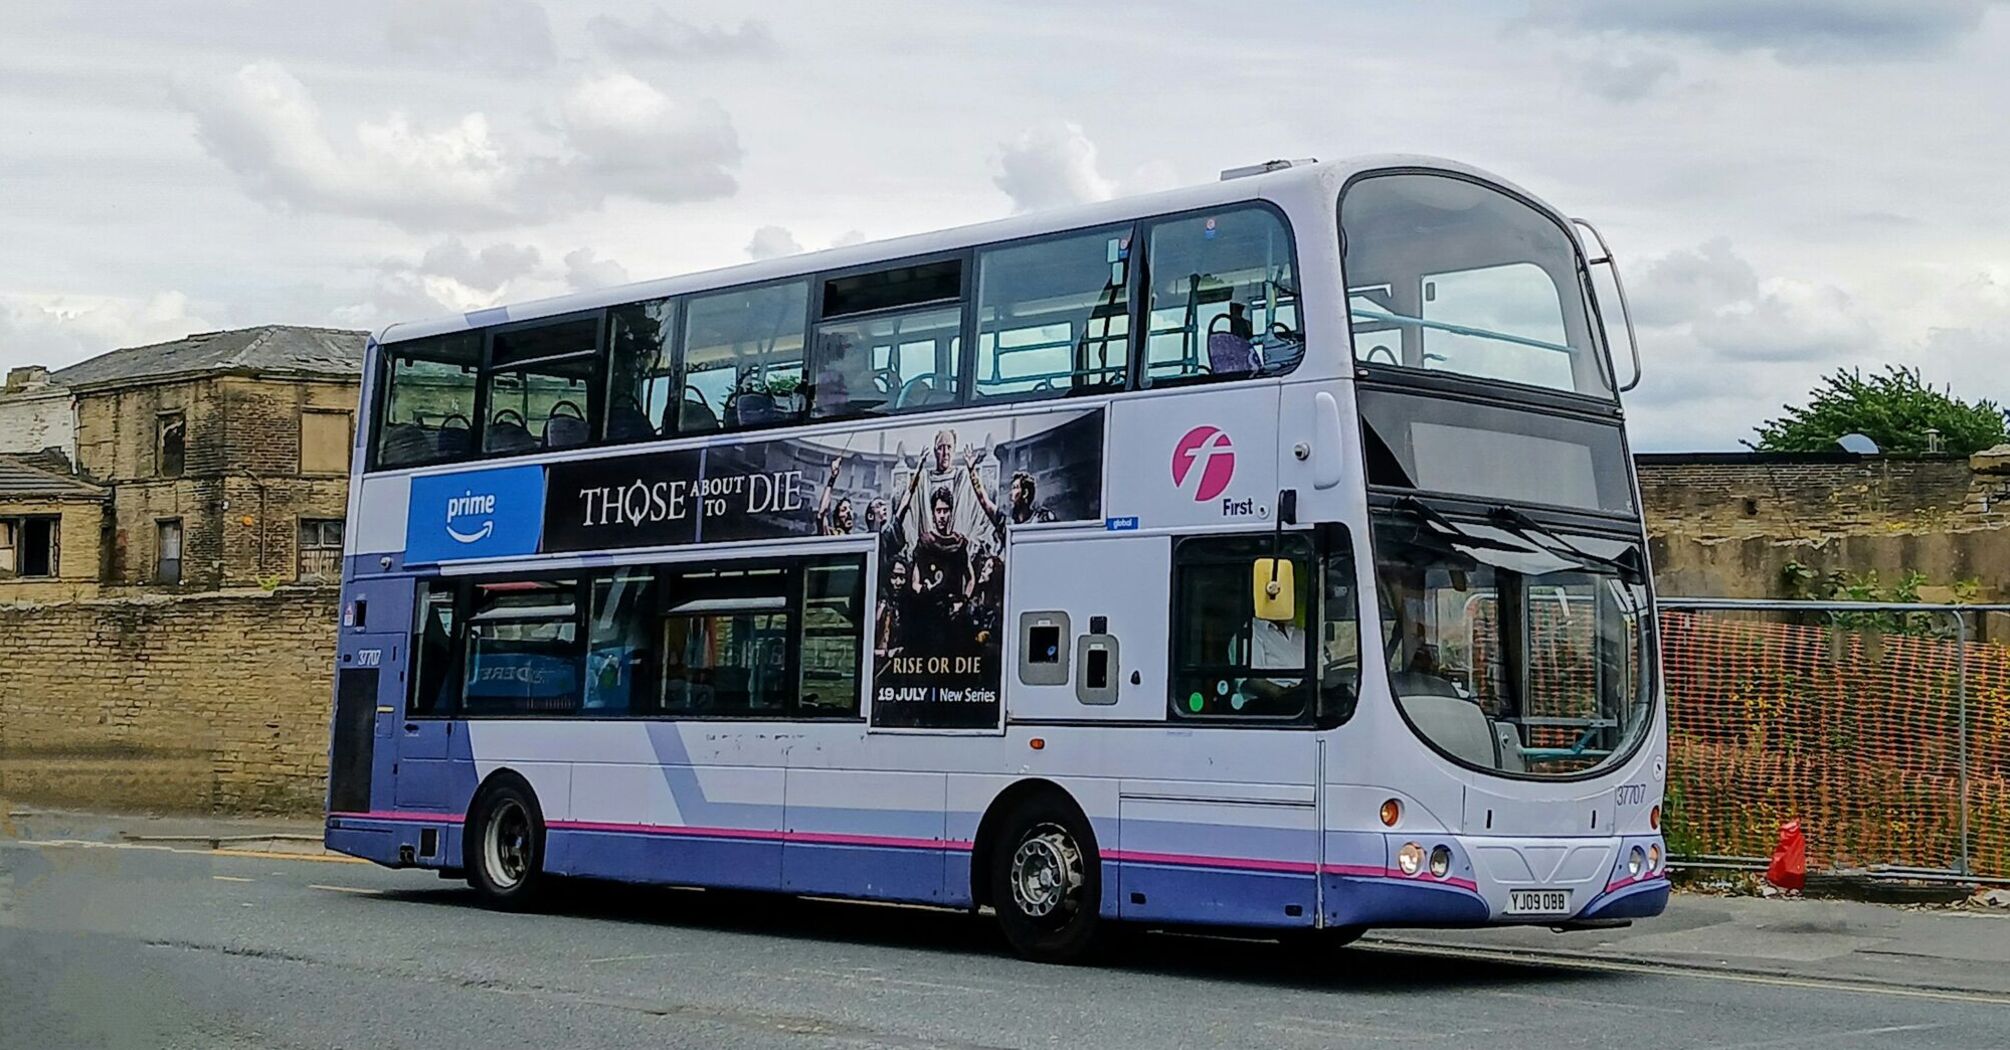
point(396, 815)
point(759, 835)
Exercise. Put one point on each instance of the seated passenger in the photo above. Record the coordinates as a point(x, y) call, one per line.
point(844, 382)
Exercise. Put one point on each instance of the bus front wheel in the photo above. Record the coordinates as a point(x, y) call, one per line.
point(505, 846)
point(1046, 881)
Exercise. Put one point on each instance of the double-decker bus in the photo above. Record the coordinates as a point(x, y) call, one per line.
point(1259, 554)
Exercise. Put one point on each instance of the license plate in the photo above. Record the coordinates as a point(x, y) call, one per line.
point(1538, 902)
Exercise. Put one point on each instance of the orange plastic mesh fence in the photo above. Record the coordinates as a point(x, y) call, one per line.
point(1849, 729)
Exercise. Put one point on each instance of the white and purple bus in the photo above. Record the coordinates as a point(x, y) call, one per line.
point(1107, 564)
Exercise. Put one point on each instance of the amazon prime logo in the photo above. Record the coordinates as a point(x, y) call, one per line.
point(471, 518)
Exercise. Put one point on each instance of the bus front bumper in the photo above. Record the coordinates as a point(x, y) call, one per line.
point(1464, 880)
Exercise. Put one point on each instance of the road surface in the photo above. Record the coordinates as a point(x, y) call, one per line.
point(129, 946)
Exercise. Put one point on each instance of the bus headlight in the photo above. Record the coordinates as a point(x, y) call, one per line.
point(1441, 862)
point(1410, 858)
point(1635, 861)
point(1654, 857)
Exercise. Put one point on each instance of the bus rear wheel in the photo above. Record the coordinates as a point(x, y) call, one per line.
point(1046, 882)
point(504, 853)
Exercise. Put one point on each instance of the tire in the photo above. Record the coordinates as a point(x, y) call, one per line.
point(1046, 881)
point(505, 851)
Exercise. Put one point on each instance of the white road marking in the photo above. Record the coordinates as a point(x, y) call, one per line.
point(232, 878)
point(344, 889)
point(1835, 1037)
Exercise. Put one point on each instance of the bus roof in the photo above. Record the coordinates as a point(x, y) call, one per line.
point(1270, 185)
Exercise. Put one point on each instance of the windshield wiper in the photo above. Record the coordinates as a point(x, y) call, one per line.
point(1627, 565)
point(1446, 527)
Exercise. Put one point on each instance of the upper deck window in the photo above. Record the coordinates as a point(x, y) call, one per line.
point(743, 358)
point(890, 340)
point(1224, 298)
point(541, 386)
point(641, 375)
point(1054, 316)
point(429, 402)
point(1447, 275)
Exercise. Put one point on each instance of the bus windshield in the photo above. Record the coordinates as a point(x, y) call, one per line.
point(1513, 648)
point(1447, 275)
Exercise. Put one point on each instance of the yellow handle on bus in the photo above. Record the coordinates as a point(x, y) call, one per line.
point(1272, 587)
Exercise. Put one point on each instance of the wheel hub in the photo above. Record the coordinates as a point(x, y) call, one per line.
point(1046, 872)
point(506, 846)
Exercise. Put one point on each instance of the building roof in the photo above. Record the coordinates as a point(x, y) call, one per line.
point(42, 475)
point(332, 353)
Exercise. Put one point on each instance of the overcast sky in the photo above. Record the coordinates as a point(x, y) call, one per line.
point(1792, 185)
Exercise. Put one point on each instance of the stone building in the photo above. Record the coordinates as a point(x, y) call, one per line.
point(51, 529)
point(221, 458)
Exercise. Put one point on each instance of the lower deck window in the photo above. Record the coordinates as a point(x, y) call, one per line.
point(1229, 664)
point(523, 648)
point(768, 640)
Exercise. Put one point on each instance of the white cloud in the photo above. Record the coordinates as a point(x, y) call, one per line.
point(1719, 300)
point(621, 136)
point(1050, 166)
point(492, 267)
point(660, 36)
point(448, 277)
point(511, 36)
point(585, 271)
point(1797, 30)
point(63, 330)
point(631, 138)
point(772, 242)
point(1691, 282)
point(263, 124)
point(849, 238)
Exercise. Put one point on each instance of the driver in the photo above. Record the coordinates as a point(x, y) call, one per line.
point(1274, 645)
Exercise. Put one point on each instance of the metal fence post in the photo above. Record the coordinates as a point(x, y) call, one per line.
point(1961, 712)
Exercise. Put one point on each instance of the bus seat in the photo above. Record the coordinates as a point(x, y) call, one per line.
point(1453, 723)
point(406, 443)
point(565, 431)
point(1229, 354)
point(751, 408)
point(508, 435)
point(627, 422)
point(453, 442)
point(694, 415)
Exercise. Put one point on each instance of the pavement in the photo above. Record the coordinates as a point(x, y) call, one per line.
point(119, 931)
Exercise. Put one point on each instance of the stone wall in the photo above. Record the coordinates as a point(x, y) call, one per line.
point(1735, 494)
point(1731, 524)
point(198, 703)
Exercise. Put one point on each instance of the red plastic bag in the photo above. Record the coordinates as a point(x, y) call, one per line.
point(1789, 869)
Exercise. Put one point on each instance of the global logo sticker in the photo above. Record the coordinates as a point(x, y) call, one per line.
point(1203, 463)
point(469, 505)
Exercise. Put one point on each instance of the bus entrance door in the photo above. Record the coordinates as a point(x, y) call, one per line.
point(421, 742)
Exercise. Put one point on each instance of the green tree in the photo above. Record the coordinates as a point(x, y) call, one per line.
point(1893, 408)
